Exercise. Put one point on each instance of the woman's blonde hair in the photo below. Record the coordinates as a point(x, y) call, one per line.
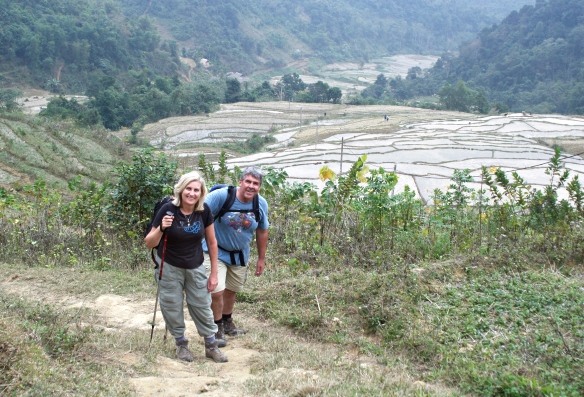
point(182, 183)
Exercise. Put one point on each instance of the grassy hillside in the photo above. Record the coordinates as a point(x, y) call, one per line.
point(33, 148)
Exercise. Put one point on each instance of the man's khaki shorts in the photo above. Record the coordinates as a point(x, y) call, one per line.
point(230, 277)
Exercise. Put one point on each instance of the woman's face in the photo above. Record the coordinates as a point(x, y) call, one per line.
point(190, 195)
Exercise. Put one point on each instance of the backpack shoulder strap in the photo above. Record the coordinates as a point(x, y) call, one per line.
point(228, 202)
point(231, 193)
point(173, 207)
point(256, 207)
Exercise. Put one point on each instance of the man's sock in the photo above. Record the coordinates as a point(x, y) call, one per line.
point(226, 317)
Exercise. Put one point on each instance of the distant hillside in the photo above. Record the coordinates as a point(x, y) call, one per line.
point(245, 36)
point(533, 60)
point(64, 45)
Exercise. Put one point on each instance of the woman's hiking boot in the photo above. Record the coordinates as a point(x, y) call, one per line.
point(230, 328)
point(220, 335)
point(182, 351)
point(212, 351)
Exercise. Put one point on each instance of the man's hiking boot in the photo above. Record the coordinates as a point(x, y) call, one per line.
point(230, 328)
point(220, 335)
point(182, 351)
point(212, 351)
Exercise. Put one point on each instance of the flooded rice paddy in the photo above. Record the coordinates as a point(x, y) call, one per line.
point(423, 147)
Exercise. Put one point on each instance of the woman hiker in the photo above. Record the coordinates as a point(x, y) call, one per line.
point(183, 273)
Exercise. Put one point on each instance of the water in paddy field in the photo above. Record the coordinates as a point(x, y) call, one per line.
point(423, 147)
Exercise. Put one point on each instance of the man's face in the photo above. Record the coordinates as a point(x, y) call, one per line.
point(249, 186)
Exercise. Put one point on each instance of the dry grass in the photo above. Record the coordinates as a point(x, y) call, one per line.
point(292, 366)
point(270, 360)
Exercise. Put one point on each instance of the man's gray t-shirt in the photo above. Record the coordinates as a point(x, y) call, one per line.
point(235, 230)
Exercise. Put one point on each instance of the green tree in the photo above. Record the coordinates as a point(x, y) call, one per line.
point(456, 98)
point(481, 103)
point(8, 99)
point(381, 81)
point(257, 142)
point(319, 91)
point(140, 185)
point(335, 94)
point(377, 89)
point(62, 108)
point(233, 91)
point(223, 171)
point(206, 169)
point(111, 106)
point(414, 73)
point(399, 89)
point(144, 36)
point(290, 85)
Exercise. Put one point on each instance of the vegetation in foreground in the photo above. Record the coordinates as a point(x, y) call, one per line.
point(481, 292)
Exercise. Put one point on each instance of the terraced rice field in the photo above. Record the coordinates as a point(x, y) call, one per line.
point(423, 147)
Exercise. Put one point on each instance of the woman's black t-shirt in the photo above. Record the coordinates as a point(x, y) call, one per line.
point(183, 247)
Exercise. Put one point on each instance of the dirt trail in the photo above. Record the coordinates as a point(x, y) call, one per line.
point(172, 377)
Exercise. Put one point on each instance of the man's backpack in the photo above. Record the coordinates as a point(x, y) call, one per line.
point(157, 206)
point(231, 192)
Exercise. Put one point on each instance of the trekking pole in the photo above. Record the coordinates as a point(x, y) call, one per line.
point(158, 287)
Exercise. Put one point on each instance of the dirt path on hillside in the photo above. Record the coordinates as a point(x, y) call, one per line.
point(171, 377)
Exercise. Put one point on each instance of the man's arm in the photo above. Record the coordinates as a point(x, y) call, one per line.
point(262, 242)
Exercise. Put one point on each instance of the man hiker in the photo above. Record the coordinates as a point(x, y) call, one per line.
point(234, 230)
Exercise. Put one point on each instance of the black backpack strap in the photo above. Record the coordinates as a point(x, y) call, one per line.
point(256, 207)
point(153, 251)
point(228, 202)
point(154, 257)
point(232, 256)
point(231, 193)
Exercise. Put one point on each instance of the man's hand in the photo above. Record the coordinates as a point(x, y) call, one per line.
point(260, 267)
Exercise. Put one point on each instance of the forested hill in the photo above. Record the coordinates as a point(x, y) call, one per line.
point(63, 45)
point(268, 33)
point(533, 60)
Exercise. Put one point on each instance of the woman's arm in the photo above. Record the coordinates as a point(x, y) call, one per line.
point(213, 252)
